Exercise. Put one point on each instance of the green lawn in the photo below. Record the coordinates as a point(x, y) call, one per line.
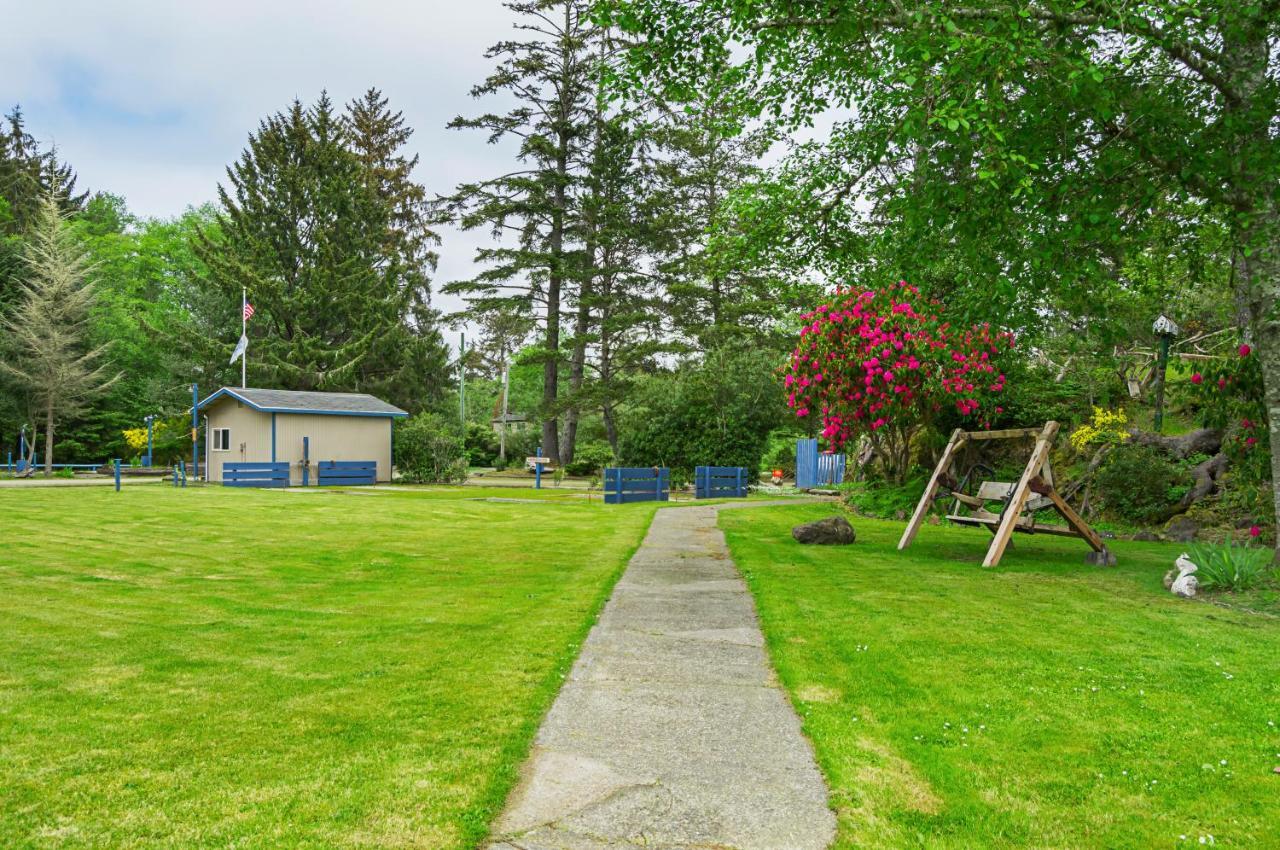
point(1042, 704)
point(232, 668)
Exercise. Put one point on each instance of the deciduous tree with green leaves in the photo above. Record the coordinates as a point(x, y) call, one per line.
point(1035, 135)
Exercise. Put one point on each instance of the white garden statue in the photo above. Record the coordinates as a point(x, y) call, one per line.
point(1185, 583)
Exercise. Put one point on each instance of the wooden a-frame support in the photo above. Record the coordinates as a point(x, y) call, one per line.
point(1037, 478)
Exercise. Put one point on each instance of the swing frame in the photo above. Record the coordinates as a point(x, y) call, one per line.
point(1037, 479)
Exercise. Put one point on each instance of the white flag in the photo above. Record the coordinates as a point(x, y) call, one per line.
point(240, 348)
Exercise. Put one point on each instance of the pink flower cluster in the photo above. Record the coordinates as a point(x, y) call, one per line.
point(871, 359)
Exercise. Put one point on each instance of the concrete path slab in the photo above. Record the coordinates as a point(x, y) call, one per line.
point(671, 731)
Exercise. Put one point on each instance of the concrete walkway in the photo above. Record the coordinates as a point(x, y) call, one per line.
point(671, 732)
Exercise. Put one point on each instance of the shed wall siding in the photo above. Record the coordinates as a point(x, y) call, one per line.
point(248, 428)
point(333, 438)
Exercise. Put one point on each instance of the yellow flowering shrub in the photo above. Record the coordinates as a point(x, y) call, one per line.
point(1109, 427)
point(136, 438)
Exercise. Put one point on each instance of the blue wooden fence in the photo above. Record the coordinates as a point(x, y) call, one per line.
point(720, 482)
point(815, 468)
point(264, 474)
point(624, 484)
point(346, 473)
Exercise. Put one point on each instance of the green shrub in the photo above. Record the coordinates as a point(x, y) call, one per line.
point(481, 445)
point(430, 448)
point(715, 411)
point(590, 458)
point(882, 499)
point(64, 473)
point(1229, 567)
point(1141, 484)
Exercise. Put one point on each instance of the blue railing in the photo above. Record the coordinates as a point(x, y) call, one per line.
point(346, 473)
point(247, 474)
point(623, 484)
point(720, 482)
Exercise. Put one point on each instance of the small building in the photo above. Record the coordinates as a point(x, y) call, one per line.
point(253, 425)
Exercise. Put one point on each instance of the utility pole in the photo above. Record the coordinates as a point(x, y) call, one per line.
point(462, 380)
point(502, 428)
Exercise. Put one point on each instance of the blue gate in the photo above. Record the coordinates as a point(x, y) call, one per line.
point(246, 474)
point(720, 482)
point(624, 484)
point(346, 473)
point(815, 468)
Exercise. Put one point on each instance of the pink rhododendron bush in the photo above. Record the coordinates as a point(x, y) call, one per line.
point(886, 364)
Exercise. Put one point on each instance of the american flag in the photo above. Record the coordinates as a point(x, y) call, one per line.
point(248, 311)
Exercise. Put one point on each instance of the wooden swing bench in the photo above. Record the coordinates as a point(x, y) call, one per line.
point(1017, 507)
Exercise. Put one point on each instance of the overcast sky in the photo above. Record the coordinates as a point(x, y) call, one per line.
point(151, 100)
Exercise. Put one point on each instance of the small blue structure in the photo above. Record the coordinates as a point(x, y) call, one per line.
point(817, 469)
point(346, 473)
point(250, 474)
point(720, 482)
point(624, 484)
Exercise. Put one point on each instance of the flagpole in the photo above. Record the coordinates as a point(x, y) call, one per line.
point(244, 356)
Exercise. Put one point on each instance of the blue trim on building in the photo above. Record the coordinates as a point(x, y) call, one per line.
point(273, 438)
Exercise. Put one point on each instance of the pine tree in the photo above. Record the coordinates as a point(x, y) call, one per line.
point(27, 174)
point(711, 295)
point(551, 75)
point(305, 231)
point(620, 305)
point(376, 136)
point(50, 358)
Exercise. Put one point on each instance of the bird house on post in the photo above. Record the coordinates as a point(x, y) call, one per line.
point(1166, 330)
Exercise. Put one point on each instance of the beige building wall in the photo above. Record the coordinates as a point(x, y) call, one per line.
point(331, 438)
point(250, 435)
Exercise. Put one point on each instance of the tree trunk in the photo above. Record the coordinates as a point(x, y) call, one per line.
point(551, 367)
point(577, 374)
point(610, 426)
point(48, 438)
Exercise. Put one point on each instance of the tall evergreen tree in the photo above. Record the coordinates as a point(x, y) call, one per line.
point(309, 234)
point(27, 174)
point(377, 136)
point(712, 293)
point(550, 73)
point(50, 358)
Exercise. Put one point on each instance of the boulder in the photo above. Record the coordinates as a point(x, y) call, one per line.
point(1181, 529)
point(832, 531)
point(1148, 536)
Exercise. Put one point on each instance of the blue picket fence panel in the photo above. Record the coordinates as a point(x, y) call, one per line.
point(624, 484)
point(720, 482)
point(247, 474)
point(346, 473)
point(815, 468)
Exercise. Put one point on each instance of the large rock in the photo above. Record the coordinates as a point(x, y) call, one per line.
point(1181, 529)
point(832, 531)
